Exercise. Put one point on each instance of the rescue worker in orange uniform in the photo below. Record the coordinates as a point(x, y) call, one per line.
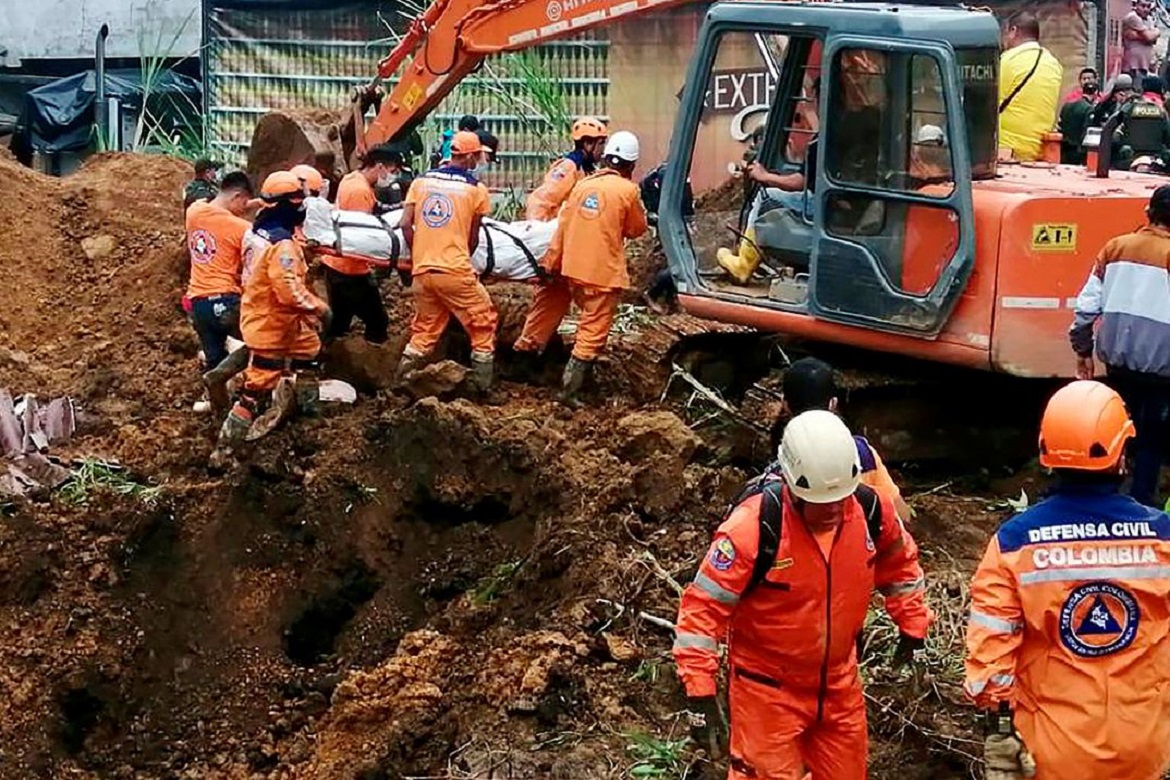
point(787, 583)
point(587, 252)
point(215, 241)
point(808, 384)
point(552, 298)
point(280, 317)
point(349, 283)
point(1069, 634)
point(440, 224)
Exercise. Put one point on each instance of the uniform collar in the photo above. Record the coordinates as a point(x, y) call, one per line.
point(1160, 232)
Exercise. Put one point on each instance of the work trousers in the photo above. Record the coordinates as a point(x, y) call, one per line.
point(776, 733)
point(266, 367)
point(439, 296)
point(215, 318)
point(596, 310)
point(352, 296)
point(1147, 397)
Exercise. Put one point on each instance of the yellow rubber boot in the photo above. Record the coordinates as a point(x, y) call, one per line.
point(743, 265)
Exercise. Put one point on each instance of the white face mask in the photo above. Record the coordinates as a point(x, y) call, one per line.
point(325, 189)
point(385, 180)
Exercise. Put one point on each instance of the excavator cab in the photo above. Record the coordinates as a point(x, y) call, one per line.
point(875, 120)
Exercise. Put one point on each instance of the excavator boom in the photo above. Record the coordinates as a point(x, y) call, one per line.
point(452, 37)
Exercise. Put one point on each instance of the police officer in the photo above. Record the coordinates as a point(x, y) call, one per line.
point(1145, 127)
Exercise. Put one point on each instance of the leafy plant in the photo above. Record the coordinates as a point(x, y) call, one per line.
point(661, 759)
point(94, 476)
point(489, 588)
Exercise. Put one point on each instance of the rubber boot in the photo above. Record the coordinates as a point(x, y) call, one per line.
point(232, 434)
point(576, 372)
point(216, 380)
point(482, 372)
point(741, 266)
point(409, 362)
point(281, 407)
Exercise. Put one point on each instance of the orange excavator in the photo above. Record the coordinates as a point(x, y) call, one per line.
point(909, 235)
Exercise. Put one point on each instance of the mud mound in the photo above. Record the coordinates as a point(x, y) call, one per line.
point(284, 139)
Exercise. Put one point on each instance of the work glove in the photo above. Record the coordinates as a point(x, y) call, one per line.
point(1005, 757)
point(708, 726)
point(909, 649)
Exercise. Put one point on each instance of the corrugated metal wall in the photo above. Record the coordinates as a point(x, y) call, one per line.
point(305, 60)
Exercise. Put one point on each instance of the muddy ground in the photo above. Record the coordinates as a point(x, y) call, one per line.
point(406, 588)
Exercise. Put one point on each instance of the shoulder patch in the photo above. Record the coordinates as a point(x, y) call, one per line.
point(723, 554)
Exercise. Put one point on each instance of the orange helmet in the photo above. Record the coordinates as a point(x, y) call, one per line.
point(310, 176)
point(589, 127)
point(280, 186)
point(1085, 427)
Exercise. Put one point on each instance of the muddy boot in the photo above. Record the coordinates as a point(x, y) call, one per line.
point(576, 372)
point(216, 380)
point(482, 371)
point(410, 362)
point(741, 266)
point(232, 434)
point(281, 407)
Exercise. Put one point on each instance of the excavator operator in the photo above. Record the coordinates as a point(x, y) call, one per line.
point(793, 191)
point(787, 584)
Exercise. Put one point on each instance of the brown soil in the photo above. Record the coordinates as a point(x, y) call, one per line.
point(395, 589)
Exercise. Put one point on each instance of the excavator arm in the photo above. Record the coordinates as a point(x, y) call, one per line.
point(452, 38)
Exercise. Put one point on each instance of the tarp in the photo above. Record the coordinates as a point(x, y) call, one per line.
point(58, 117)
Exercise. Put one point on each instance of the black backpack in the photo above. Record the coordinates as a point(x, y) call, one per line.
point(651, 188)
point(772, 515)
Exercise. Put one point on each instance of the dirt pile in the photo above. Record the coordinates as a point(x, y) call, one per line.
point(403, 588)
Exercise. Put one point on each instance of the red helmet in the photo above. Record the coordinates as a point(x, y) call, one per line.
point(1085, 427)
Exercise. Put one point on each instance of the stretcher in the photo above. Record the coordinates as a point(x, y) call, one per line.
point(506, 251)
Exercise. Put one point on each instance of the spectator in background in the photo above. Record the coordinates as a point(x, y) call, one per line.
point(205, 185)
point(1074, 119)
point(467, 123)
point(491, 146)
point(1120, 94)
point(1088, 84)
point(1029, 87)
point(1139, 33)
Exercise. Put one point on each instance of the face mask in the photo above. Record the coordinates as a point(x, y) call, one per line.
point(385, 180)
point(325, 189)
point(1089, 89)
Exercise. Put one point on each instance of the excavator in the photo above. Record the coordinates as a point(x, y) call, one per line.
point(911, 236)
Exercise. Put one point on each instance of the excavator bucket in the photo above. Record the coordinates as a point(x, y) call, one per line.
point(283, 139)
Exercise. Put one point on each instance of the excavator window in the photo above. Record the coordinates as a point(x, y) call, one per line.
point(761, 107)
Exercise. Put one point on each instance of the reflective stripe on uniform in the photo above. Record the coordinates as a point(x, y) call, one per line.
point(715, 590)
point(995, 624)
point(902, 588)
point(1100, 573)
point(976, 687)
point(695, 641)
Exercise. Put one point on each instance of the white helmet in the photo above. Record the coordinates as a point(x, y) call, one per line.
point(622, 145)
point(818, 458)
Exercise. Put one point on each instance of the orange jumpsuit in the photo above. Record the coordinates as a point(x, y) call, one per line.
point(279, 315)
point(588, 251)
point(795, 694)
point(1070, 623)
point(552, 299)
point(446, 202)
